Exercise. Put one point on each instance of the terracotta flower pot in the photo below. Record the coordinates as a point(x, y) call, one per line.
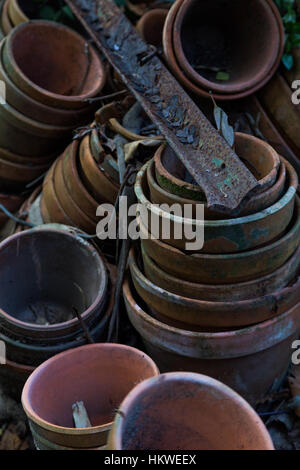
point(229, 236)
point(276, 98)
point(80, 218)
point(15, 176)
point(16, 14)
point(208, 35)
point(39, 58)
point(220, 268)
point(22, 135)
point(259, 157)
point(249, 360)
point(6, 22)
point(159, 195)
point(204, 409)
point(74, 183)
point(151, 25)
point(23, 160)
point(259, 287)
point(96, 180)
point(100, 375)
point(189, 84)
point(227, 313)
point(38, 111)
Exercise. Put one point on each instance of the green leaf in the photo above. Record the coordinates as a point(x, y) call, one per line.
point(288, 61)
point(223, 76)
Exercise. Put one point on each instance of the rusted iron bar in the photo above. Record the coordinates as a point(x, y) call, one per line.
point(226, 181)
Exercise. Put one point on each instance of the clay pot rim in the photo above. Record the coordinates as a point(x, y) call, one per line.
point(218, 338)
point(39, 160)
point(4, 13)
point(24, 166)
point(117, 127)
point(199, 79)
point(283, 201)
point(172, 62)
point(20, 367)
point(77, 239)
point(142, 22)
point(32, 415)
point(172, 378)
point(40, 90)
point(205, 304)
point(16, 13)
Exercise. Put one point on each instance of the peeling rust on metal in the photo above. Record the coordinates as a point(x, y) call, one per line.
point(229, 184)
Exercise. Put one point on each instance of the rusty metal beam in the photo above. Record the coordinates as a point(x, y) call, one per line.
point(213, 164)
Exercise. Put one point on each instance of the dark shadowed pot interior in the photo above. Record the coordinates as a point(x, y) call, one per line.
point(186, 411)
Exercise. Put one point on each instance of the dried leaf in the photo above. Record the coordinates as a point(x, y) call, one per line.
point(223, 126)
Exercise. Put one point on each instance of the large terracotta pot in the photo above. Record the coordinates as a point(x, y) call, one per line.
point(100, 375)
point(39, 58)
point(249, 360)
point(220, 236)
point(187, 411)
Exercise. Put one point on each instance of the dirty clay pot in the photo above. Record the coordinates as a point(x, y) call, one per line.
point(249, 360)
point(74, 183)
point(276, 98)
point(80, 218)
point(223, 292)
point(86, 373)
point(39, 58)
point(16, 14)
point(22, 135)
point(215, 314)
point(258, 202)
point(12, 202)
point(187, 411)
point(151, 25)
point(6, 22)
point(189, 84)
point(15, 176)
point(96, 180)
point(38, 111)
point(23, 160)
point(52, 288)
point(209, 33)
point(223, 236)
point(261, 159)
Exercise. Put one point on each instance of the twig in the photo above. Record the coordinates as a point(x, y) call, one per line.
point(83, 326)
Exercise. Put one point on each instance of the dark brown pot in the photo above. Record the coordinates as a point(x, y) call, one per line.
point(209, 34)
point(177, 71)
point(151, 25)
point(204, 408)
point(39, 58)
point(228, 313)
point(100, 375)
point(38, 111)
point(15, 176)
point(249, 360)
point(96, 180)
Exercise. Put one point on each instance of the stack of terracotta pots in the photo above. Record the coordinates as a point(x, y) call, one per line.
point(100, 376)
point(207, 49)
point(277, 100)
point(77, 184)
point(231, 308)
point(46, 97)
point(42, 320)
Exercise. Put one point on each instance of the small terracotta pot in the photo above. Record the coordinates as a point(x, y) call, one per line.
point(38, 111)
point(16, 14)
point(259, 287)
point(220, 268)
point(204, 408)
point(12, 202)
point(219, 36)
point(250, 360)
point(258, 156)
point(100, 185)
point(177, 71)
point(151, 25)
point(6, 22)
point(15, 176)
point(74, 183)
point(258, 202)
point(87, 376)
point(39, 58)
point(229, 236)
point(276, 98)
point(22, 135)
point(216, 314)
point(80, 218)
